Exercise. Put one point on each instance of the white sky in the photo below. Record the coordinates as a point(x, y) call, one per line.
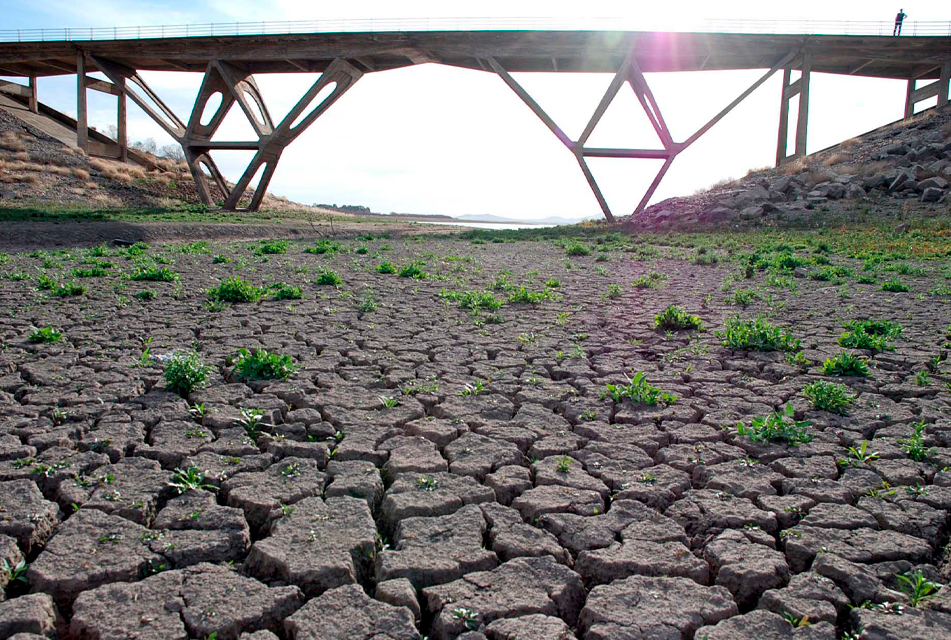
point(433, 139)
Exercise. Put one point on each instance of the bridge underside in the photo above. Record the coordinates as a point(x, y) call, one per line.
point(229, 65)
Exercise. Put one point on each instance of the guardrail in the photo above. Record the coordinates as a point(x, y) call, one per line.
point(787, 27)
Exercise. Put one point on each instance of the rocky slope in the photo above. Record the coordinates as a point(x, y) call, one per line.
point(905, 163)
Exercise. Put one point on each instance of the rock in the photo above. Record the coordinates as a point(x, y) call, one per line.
point(807, 595)
point(642, 607)
point(25, 515)
point(716, 214)
point(412, 455)
point(565, 471)
point(535, 626)
point(931, 195)
point(347, 612)
point(936, 182)
point(91, 549)
point(555, 499)
point(858, 582)
point(196, 529)
point(33, 613)
point(912, 623)
point(146, 610)
point(830, 190)
point(322, 545)
point(511, 538)
point(509, 482)
point(476, 455)
point(765, 624)
point(860, 545)
point(435, 494)
point(429, 551)
point(579, 533)
point(284, 482)
point(399, 593)
point(855, 192)
point(904, 177)
point(896, 149)
point(746, 569)
point(641, 557)
point(357, 480)
point(705, 514)
point(519, 587)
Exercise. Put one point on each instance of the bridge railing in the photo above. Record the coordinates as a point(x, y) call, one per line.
point(787, 27)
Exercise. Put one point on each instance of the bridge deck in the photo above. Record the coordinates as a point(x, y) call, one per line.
point(550, 51)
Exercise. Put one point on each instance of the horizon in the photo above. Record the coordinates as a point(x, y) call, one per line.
point(458, 142)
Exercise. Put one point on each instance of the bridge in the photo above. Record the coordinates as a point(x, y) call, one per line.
point(230, 57)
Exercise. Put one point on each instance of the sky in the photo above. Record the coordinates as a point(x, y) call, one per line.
point(431, 139)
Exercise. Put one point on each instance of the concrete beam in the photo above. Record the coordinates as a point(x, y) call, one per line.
point(82, 119)
point(102, 86)
point(802, 125)
point(33, 95)
point(121, 118)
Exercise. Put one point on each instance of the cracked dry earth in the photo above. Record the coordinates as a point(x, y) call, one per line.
point(430, 473)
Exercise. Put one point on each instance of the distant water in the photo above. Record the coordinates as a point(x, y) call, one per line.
point(488, 225)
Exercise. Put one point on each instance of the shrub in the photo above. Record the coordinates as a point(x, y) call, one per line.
point(639, 391)
point(328, 277)
point(844, 364)
point(829, 396)
point(89, 272)
point(675, 318)
point(235, 290)
point(46, 335)
point(473, 299)
point(221, 259)
point(186, 372)
point(577, 249)
point(777, 427)
point(523, 295)
point(146, 295)
point(261, 365)
point(914, 444)
point(386, 268)
point(756, 335)
point(614, 291)
point(870, 334)
point(652, 280)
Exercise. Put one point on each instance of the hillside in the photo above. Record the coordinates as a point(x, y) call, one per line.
point(897, 169)
point(38, 169)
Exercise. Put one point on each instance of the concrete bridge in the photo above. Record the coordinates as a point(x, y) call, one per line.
point(230, 59)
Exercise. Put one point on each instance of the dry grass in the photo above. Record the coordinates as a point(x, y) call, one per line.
point(30, 178)
point(794, 166)
point(125, 173)
point(91, 185)
point(23, 166)
point(11, 142)
point(836, 158)
point(82, 174)
point(814, 177)
point(59, 171)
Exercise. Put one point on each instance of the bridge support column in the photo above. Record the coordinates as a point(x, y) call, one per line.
point(939, 88)
point(33, 100)
point(121, 135)
point(235, 86)
point(629, 72)
point(82, 120)
point(790, 90)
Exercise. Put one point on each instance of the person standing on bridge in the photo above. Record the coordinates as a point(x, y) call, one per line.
point(898, 20)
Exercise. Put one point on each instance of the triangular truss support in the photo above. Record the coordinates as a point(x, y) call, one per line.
point(629, 72)
point(234, 85)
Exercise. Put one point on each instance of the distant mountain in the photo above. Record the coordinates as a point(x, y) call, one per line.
point(489, 218)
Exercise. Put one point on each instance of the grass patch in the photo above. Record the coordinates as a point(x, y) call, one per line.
point(328, 277)
point(638, 391)
point(829, 396)
point(46, 335)
point(235, 290)
point(154, 274)
point(778, 426)
point(261, 365)
point(186, 372)
point(675, 318)
point(844, 364)
point(756, 335)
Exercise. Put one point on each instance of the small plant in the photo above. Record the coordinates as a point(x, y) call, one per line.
point(829, 396)
point(386, 268)
point(870, 334)
point(859, 455)
point(250, 420)
point(235, 290)
point(191, 479)
point(917, 587)
point(368, 304)
point(185, 372)
point(389, 402)
point(473, 389)
point(272, 247)
point(675, 318)
point(778, 426)
point(614, 291)
point(328, 277)
point(16, 574)
point(844, 364)
point(89, 272)
point(652, 280)
point(221, 259)
point(69, 289)
point(413, 270)
point(291, 470)
point(468, 617)
point(743, 297)
point(639, 391)
point(922, 378)
point(564, 464)
point(914, 444)
point(46, 335)
point(154, 274)
point(895, 285)
point(757, 335)
point(323, 246)
point(146, 295)
point(262, 365)
point(523, 295)
point(794, 622)
point(577, 249)
point(287, 292)
point(427, 483)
